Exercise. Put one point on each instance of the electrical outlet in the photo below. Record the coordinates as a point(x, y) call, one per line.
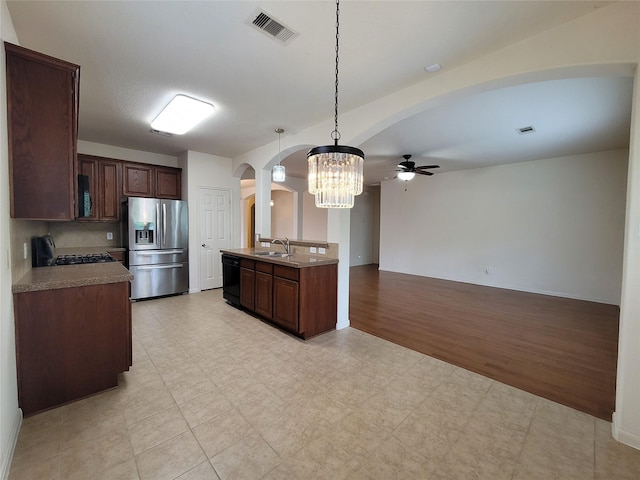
point(312, 250)
point(322, 250)
point(109, 235)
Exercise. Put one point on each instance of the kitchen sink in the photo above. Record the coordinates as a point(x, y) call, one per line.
point(272, 254)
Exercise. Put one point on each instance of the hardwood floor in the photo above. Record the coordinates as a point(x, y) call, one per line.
point(561, 349)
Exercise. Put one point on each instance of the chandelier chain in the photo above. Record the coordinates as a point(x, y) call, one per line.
point(336, 134)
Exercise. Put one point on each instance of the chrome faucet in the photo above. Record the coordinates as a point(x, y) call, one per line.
point(281, 242)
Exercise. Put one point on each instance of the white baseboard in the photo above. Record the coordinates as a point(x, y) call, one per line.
point(622, 436)
point(7, 454)
point(344, 324)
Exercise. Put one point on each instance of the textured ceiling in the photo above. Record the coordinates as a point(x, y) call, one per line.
point(136, 55)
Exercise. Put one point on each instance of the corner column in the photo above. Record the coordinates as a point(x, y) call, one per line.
point(339, 231)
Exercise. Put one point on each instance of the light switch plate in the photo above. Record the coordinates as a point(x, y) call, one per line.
point(312, 250)
point(25, 251)
point(322, 250)
point(109, 235)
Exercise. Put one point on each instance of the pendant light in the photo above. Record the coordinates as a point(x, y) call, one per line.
point(335, 171)
point(277, 173)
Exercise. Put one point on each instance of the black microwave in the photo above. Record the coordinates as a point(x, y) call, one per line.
point(42, 251)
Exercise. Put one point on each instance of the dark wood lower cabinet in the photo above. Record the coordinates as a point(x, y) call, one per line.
point(286, 302)
point(303, 301)
point(247, 285)
point(264, 295)
point(70, 343)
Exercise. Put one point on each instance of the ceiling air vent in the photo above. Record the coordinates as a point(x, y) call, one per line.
point(273, 28)
point(525, 130)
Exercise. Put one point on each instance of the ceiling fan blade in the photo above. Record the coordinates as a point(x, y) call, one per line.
point(407, 165)
point(423, 167)
point(420, 172)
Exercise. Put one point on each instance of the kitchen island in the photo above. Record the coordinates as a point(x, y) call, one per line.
point(297, 292)
point(73, 332)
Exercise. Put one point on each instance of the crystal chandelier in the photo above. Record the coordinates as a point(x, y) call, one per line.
point(277, 173)
point(335, 171)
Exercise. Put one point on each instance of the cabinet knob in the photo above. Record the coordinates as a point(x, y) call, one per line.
point(203, 245)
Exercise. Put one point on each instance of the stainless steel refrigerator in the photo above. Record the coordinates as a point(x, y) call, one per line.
point(156, 234)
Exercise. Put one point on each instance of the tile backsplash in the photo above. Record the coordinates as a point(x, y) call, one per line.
point(65, 235)
point(85, 234)
point(22, 231)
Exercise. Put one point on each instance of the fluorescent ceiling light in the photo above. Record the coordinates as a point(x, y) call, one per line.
point(181, 115)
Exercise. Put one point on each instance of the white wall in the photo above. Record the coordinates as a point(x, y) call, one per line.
point(282, 214)
point(202, 170)
point(314, 220)
point(626, 418)
point(119, 153)
point(365, 228)
point(549, 226)
point(10, 415)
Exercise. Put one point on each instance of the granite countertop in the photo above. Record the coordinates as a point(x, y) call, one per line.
point(69, 276)
point(296, 260)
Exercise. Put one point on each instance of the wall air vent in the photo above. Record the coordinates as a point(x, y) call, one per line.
point(275, 29)
point(525, 130)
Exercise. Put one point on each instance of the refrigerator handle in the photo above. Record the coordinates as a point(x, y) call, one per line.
point(158, 239)
point(160, 267)
point(164, 223)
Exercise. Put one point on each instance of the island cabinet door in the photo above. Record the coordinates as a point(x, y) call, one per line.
point(285, 303)
point(247, 288)
point(264, 294)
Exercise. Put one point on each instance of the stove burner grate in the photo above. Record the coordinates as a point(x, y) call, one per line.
point(80, 259)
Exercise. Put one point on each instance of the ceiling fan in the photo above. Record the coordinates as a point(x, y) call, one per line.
point(408, 169)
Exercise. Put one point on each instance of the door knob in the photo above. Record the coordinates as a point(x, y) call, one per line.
point(203, 245)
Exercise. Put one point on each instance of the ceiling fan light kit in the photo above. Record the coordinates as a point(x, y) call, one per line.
point(406, 176)
point(335, 171)
point(408, 169)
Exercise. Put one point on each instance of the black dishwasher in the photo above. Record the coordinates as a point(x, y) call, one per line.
point(231, 279)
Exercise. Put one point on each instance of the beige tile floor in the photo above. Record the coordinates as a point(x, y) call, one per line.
point(217, 394)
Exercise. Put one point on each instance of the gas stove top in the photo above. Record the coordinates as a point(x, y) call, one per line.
point(80, 259)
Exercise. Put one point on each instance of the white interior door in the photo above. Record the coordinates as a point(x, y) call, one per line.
point(215, 234)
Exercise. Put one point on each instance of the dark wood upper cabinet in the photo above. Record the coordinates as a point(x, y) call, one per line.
point(169, 183)
point(109, 190)
point(137, 180)
point(144, 180)
point(104, 187)
point(42, 114)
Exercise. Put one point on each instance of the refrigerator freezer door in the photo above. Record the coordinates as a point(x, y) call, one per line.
point(151, 257)
point(174, 222)
point(143, 229)
point(157, 280)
